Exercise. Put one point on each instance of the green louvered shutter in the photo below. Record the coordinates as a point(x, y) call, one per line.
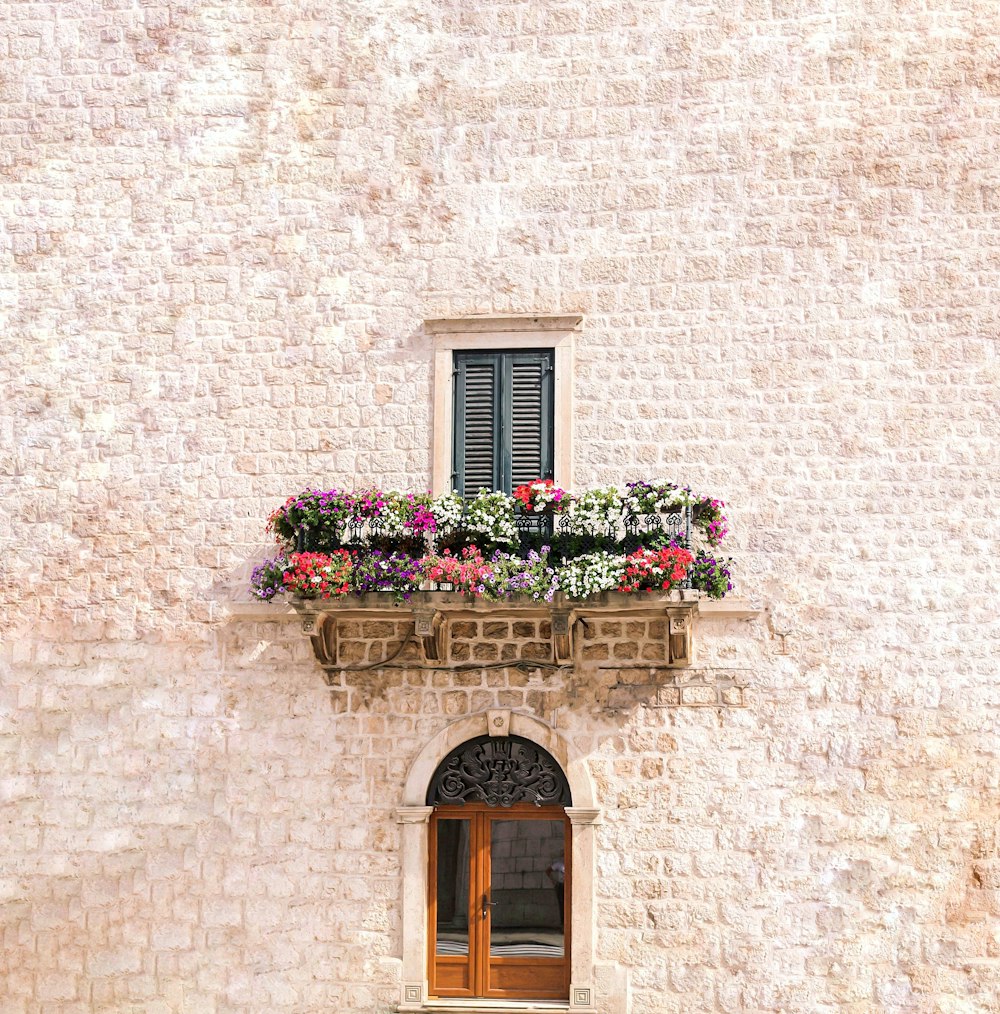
point(503, 419)
point(530, 419)
point(477, 424)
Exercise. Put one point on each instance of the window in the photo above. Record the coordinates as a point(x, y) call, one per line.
point(502, 419)
point(503, 391)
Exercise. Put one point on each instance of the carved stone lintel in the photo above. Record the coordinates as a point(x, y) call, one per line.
point(562, 635)
point(499, 772)
point(429, 627)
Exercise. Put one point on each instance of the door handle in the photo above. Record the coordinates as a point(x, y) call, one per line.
point(487, 904)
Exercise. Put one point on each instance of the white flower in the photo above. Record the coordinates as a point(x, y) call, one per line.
point(596, 512)
point(491, 514)
point(591, 574)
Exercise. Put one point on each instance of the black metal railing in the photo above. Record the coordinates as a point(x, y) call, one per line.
point(565, 536)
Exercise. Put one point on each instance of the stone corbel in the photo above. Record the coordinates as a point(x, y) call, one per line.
point(563, 627)
point(429, 626)
point(680, 640)
point(321, 629)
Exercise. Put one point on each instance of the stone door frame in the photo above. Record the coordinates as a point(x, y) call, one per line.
point(414, 816)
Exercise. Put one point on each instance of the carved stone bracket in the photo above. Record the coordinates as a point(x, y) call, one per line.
point(432, 613)
point(431, 629)
point(563, 627)
point(321, 629)
point(680, 624)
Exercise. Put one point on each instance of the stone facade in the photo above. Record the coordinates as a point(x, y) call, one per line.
point(223, 226)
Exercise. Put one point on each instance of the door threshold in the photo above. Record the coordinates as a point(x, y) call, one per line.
point(488, 1006)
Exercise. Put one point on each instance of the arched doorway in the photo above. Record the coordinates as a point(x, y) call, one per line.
point(414, 817)
point(500, 872)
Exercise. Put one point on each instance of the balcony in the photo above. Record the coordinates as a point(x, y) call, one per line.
point(607, 579)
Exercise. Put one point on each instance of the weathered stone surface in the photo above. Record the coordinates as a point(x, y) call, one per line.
point(222, 228)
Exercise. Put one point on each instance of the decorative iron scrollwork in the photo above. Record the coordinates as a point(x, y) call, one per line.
point(499, 772)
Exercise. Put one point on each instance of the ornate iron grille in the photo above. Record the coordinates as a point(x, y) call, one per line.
point(499, 772)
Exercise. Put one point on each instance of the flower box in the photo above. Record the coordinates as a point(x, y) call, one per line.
point(541, 543)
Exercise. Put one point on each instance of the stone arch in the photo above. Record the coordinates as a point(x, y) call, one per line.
point(435, 750)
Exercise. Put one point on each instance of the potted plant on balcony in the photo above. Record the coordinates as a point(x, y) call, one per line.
point(711, 575)
point(465, 572)
point(489, 519)
point(319, 575)
point(268, 578)
point(656, 569)
point(314, 520)
point(591, 574)
point(530, 576)
point(375, 570)
point(402, 523)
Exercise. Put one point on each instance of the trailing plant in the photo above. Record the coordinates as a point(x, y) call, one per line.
point(708, 517)
point(712, 576)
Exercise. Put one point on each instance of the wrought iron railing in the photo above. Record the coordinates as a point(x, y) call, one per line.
point(564, 536)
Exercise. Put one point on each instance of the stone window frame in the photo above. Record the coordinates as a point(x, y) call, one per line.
point(488, 333)
point(414, 816)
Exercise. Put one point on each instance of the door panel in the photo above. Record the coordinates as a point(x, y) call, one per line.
point(499, 902)
point(527, 870)
point(513, 978)
point(451, 913)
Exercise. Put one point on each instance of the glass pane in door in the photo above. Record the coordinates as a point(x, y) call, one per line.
point(452, 887)
point(527, 883)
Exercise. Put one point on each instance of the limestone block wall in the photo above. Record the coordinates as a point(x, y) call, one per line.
point(221, 228)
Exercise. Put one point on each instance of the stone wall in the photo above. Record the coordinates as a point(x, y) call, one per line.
point(222, 228)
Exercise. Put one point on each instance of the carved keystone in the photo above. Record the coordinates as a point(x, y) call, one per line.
point(429, 627)
point(498, 722)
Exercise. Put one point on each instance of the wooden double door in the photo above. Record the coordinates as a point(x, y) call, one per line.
point(499, 902)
